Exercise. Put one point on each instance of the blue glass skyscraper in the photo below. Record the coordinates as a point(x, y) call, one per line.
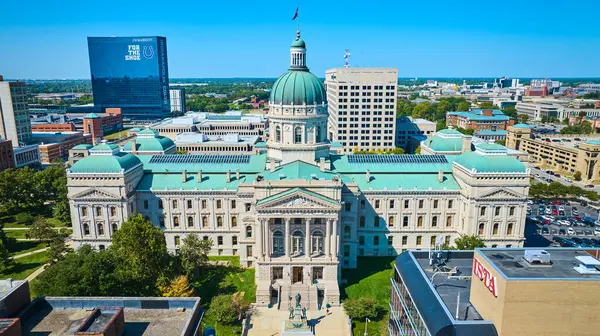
point(131, 73)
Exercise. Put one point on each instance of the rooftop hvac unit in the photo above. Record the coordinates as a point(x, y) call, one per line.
point(587, 265)
point(537, 257)
point(281, 176)
point(314, 176)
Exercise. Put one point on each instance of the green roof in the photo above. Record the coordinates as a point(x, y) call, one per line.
point(483, 163)
point(104, 147)
point(105, 163)
point(293, 190)
point(298, 170)
point(411, 181)
point(158, 144)
point(260, 144)
point(91, 116)
point(341, 165)
point(148, 131)
point(491, 146)
point(336, 145)
point(593, 142)
point(298, 87)
point(440, 144)
point(174, 181)
point(83, 146)
point(521, 126)
point(449, 131)
point(298, 43)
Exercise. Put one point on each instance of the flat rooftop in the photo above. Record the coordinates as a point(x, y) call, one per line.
point(143, 316)
point(448, 287)
point(510, 262)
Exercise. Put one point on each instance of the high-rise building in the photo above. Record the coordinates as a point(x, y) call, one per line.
point(14, 113)
point(177, 99)
point(362, 107)
point(131, 73)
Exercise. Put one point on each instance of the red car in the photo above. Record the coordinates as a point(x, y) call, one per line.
point(589, 186)
point(578, 218)
point(556, 202)
point(555, 212)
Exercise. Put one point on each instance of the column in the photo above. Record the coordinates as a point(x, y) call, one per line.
point(307, 239)
point(286, 238)
point(267, 240)
point(259, 236)
point(327, 238)
point(335, 238)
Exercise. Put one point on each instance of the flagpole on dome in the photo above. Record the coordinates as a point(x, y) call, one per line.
point(297, 21)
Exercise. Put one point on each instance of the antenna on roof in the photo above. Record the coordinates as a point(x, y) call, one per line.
point(347, 58)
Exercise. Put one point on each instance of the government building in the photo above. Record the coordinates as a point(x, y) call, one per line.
point(297, 211)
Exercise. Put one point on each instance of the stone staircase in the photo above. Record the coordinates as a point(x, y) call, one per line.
point(307, 292)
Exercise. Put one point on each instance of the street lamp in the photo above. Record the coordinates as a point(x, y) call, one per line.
point(366, 324)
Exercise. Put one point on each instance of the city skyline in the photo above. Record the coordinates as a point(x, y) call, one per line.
point(438, 41)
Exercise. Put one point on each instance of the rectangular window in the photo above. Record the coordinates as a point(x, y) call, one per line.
point(161, 221)
point(419, 239)
point(376, 240)
point(405, 221)
point(390, 240)
point(511, 211)
point(362, 204)
point(160, 204)
point(421, 202)
point(435, 204)
point(497, 212)
point(449, 204)
point(84, 211)
point(203, 204)
point(404, 240)
point(98, 211)
point(248, 206)
point(482, 211)
point(145, 204)
point(392, 204)
point(406, 203)
point(174, 204)
point(348, 206)
point(233, 204)
point(249, 251)
point(234, 240)
point(361, 240)
point(376, 204)
point(346, 250)
point(376, 221)
point(189, 204)
point(219, 204)
point(220, 240)
point(175, 221)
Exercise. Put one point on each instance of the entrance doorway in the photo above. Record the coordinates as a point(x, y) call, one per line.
point(320, 297)
point(297, 274)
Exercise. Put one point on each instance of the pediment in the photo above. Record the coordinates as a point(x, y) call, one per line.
point(95, 194)
point(500, 193)
point(298, 199)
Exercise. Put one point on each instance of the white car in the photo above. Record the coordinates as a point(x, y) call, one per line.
point(565, 222)
point(569, 180)
point(561, 208)
point(529, 201)
point(570, 231)
point(548, 211)
point(597, 231)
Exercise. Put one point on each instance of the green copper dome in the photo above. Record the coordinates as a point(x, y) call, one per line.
point(440, 144)
point(298, 43)
point(483, 163)
point(157, 144)
point(98, 164)
point(298, 87)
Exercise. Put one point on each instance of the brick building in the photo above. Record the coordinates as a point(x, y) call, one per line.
point(98, 126)
point(490, 123)
point(68, 127)
point(7, 159)
point(57, 145)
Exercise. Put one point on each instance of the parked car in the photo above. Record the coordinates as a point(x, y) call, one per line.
point(561, 212)
point(562, 232)
point(555, 212)
point(545, 230)
point(570, 231)
point(556, 202)
point(561, 208)
point(597, 231)
point(583, 203)
point(529, 201)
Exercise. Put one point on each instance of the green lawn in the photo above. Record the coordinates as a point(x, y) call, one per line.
point(46, 212)
point(371, 278)
point(115, 136)
point(20, 247)
point(22, 267)
point(17, 234)
point(225, 280)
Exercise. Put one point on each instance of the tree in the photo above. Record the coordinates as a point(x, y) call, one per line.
point(421, 110)
point(440, 124)
point(239, 304)
point(487, 105)
point(144, 251)
point(57, 249)
point(467, 131)
point(25, 218)
point(194, 254)
point(180, 287)
point(221, 309)
point(510, 111)
point(468, 242)
point(361, 308)
point(577, 176)
point(41, 230)
point(441, 109)
point(523, 118)
point(5, 260)
point(463, 106)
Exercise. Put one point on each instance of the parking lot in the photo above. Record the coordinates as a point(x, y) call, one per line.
point(568, 219)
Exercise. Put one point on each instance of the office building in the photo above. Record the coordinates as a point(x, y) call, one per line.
point(362, 107)
point(57, 145)
point(107, 316)
point(487, 124)
point(537, 111)
point(411, 131)
point(57, 128)
point(7, 155)
point(27, 155)
point(177, 96)
point(562, 152)
point(14, 113)
point(491, 292)
point(131, 73)
point(97, 126)
point(296, 212)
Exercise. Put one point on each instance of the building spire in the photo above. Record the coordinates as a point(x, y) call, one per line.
point(298, 53)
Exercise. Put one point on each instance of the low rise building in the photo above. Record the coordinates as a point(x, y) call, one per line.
point(198, 143)
point(79, 152)
point(232, 122)
point(537, 111)
point(67, 127)
point(411, 131)
point(27, 155)
point(98, 126)
point(492, 291)
point(57, 145)
point(7, 155)
point(565, 153)
point(486, 123)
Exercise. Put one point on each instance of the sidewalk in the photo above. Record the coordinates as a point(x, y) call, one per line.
point(26, 228)
point(29, 253)
point(269, 321)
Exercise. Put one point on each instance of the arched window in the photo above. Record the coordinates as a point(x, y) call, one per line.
point(278, 133)
point(434, 221)
point(190, 221)
point(219, 221)
point(176, 240)
point(405, 221)
point(317, 134)
point(278, 243)
point(114, 227)
point(297, 242)
point(481, 229)
point(432, 240)
point(495, 229)
point(362, 221)
point(298, 134)
point(391, 221)
point(317, 242)
point(420, 221)
point(205, 221)
point(509, 229)
point(376, 221)
point(100, 229)
point(233, 221)
point(449, 221)
point(248, 231)
point(347, 232)
point(86, 229)
point(175, 221)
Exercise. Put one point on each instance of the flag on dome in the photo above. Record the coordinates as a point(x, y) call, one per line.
point(296, 14)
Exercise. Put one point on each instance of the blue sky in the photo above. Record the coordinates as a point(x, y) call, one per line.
point(47, 39)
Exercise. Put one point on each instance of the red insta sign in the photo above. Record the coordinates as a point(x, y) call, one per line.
point(484, 275)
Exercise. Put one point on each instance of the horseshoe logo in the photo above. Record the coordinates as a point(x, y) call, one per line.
point(148, 52)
